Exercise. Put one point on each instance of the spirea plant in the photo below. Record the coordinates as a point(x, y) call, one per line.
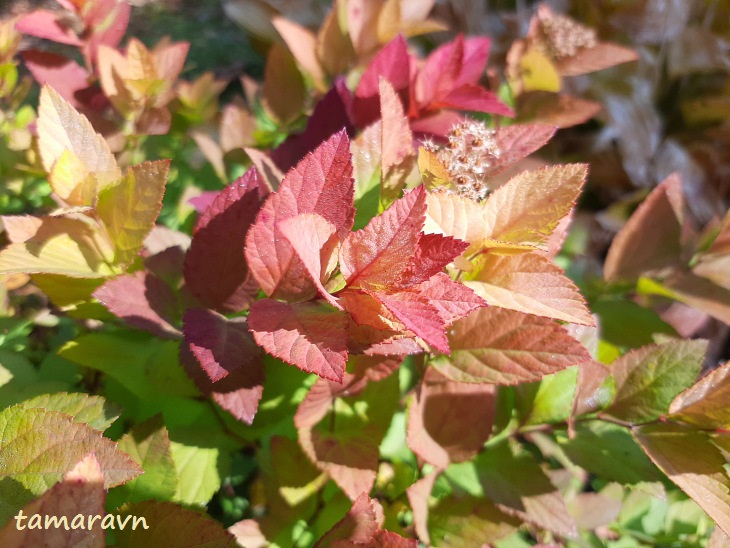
point(365, 337)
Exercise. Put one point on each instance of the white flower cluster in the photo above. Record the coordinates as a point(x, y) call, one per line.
point(471, 150)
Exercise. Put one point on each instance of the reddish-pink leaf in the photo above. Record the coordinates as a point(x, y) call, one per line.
point(359, 525)
point(321, 183)
point(517, 142)
point(309, 335)
point(398, 154)
point(433, 253)
point(449, 421)
point(220, 345)
point(556, 110)
point(64, 75)
point(440, 74)
point(451, 300)
point(238, 393)
point(377, 255)
point(474, 60)
point(494, 345)
point(313, 239)
point(473, 97)
point(417, 315)
point(45, 24)
point(651, 238)
point(330, 115)
point(142, 300)
point(391, 63)
point(215, 266)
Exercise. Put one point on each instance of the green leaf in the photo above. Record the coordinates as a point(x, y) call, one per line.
point(553, 399)
point(130, 207)
point(145, 366)
point(37, 447)
point(514, 480)
point(648, 379)
point(626, 324)
point(168, 524)
point(149, 445)
point(468, 521)
point(198, 469)
point(92, 410)
point(694, 463)
point(609, 452)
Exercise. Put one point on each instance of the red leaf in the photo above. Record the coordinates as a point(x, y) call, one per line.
point(440, 73)
point(451, 300)
point(238, 393)
point(391, 63)
point(220, 345)
point(215, 265)
point(45, 24)
point(433, 253)
point(321, 183)
point(64, 75)
point(142, 300)
point(377, 255)
point(417, 315)
point(450, 421)
point(398, 154)
point(330, 115)
point(473, 97)
point(500, 346)
point(311, 237)
point(418, 495)
point(309, 335)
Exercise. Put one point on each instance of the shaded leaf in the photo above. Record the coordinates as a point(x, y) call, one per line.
point(694, 463)
point(418, 494)
point(340, 441)
point(609, 452)
point(468, 521)
point(602, 56)
point(284, 93)
point(215, 268)
point(171, 524)
point(142, 300)
point(651, 238)
point(499, 346)
point(514, 481)
point(220, 345)
point(449, 421)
